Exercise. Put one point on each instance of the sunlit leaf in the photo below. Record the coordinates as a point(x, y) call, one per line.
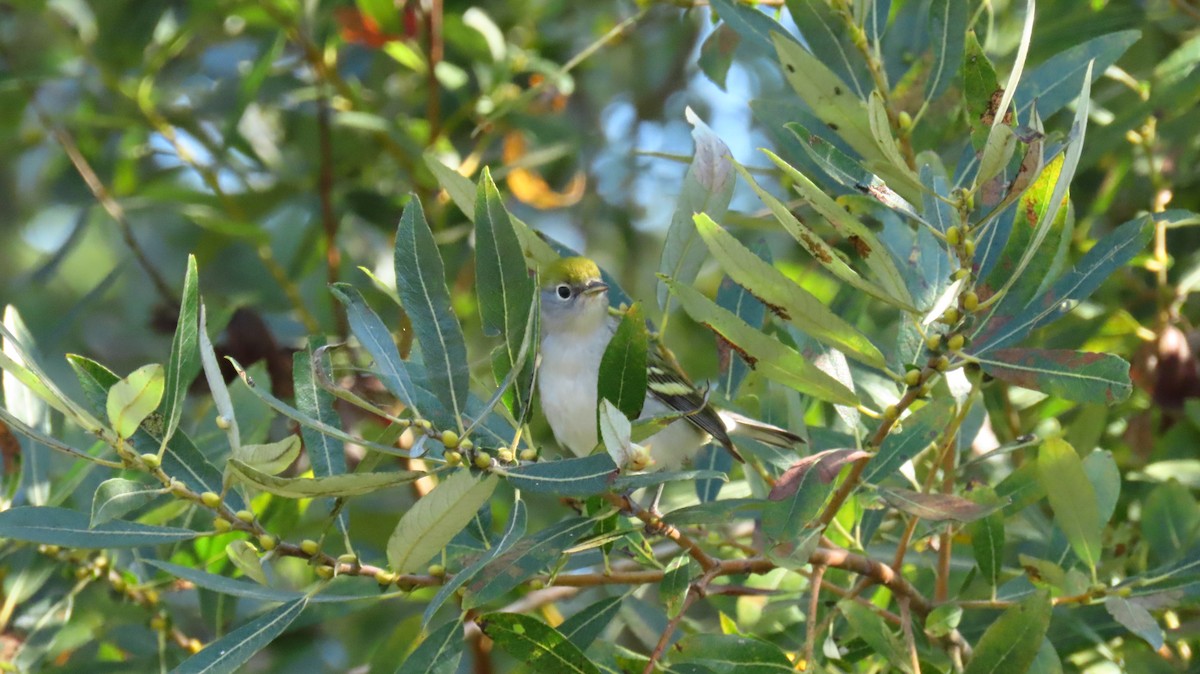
point(1011, 642)
point(623, 365)
point(514, 531)
point(270, 458)
point(346, 484)
point(1072, 498)
point(133, 398)
point(230, 652)
point(117, 496)
point(431, 522)
point(71, 528)
point(244, 556)
point(531, 641)
point(936, 507)
point(184, 363)
point(1074, 375)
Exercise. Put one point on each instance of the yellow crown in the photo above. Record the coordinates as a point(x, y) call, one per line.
point(570, 270)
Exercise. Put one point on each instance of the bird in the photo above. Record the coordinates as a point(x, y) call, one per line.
point(576, 327)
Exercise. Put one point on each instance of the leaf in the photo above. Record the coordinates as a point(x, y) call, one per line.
point(1102, 472)
point(344, 485)
point(783, 296)
point(615, 435)
point(827, 463)
point(216, 383)
point(528, 557)
point(1059, 78)
point(979, 90)
point(936, 507)
point(70, 529)
point(438, 653)
point(623, 366)
point(881, 131)
point(865, 242)
point(1135, 618)
point(947, 28)
point(245, 557)
point(429, 525)
point(1018, 66)
point(536, 644)
point(374, 336)
point(503, 283)
point(795, 500)
point(751, 24)
point(716, 54)
point(583, 476)
point(20, 369)
point(814, 244)
point(117, 496)
point(673, 588)
point(1011, 642)
point(1109, 254)
point(133, 398)
point(987, 536)
point(707, 188)
point(1073, 375)
point(729, 654)
point(590, 622)
point(998, 151)
point(1170, 519)
point(240, 588)
point(1031, 208)
point(231, 651)
point(870, 627)
point(184, 363)
point(769, 356)
point(271, 458)
point(826, 36)
point(1072, 498)
point(421, 285)
point(943, 620)
point(513, 532)
point(919, 430)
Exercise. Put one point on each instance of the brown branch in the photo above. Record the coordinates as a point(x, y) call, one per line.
point(810, 636)
point(433, 107)
point(909, 641)
point(625, 504)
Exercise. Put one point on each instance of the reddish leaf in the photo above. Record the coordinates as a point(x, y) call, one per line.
point(937, 507)
point(828, 464)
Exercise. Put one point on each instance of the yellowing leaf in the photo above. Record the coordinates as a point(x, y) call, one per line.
point(133, 398)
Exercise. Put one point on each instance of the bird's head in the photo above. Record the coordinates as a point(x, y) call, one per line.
point(574, 297)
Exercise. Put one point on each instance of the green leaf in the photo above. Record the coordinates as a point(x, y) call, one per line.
point(729, 654)
point(326, 453)
point(628, 482)
point(947, 32)
point(374, 336)
point(1011, 643)
point(826, 36)
point(272, 458)
point(70, 529)
point(1073, 375)
point(117, 496)
point(707, 188)
point(865, 242)
point(240, 588)
point(783, 296)
point(513, 531)
point(979, 86)
point(216, 383)
point(936, 507)
point(503, 285)
point(133, 398)
point(769, 356)
point(344, 485)
point(528, 557)
point(673, 588)
point(881, 131)
point(429, 525)
point(590, 622)
point(987, 536)
point(230, 652)
point(184, 362)
point(1105, 476)
point(583, 476)
point(716, 54)
point(1108, 255)
point(795, 500)
point(438, 653)
point(943, 620)
point(919, 430)
point(421, 284)
point(20, 369)
point(1135, 618)
point(1170, 519)
point(870, 627)
point(623, 365)
point(1056, 82)
point(536, 644)
point(245, 557)
point(1072, 498)
point(1031, 208)
point(750, 23)
point(615, 431)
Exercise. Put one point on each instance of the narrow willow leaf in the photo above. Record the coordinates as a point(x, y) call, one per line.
point(716, 54)
point(429, 525)
point(216, 383)
point(438, 653)
point(615, 431)
point(1170, 520)
point(947, 28)
point(998, 151)
point(754, 27)
point(1135, 618)
point(245, 557)
point(943, 620)
point(979, 87)
point(421, 284)
point(881, 131)
point(344, 485)
point(987, 537)
point(531, 641)
point(674, 586)
point(871, 628)
point(374, 336)
point(826, 36)
point(1108, 255)
point(1011, 643)
point(1073, 375)
point(623, 365)
point(117, 496)
point(22, 370)
point(730, 654)
point(583, 476)
point(1072, 498)
point(528, 557)
point(513, 532)
point(502, 281)
point(133, 398)
point(920, 429)
point(1018, 66)
point(629, 482)
point(17, 426)
point(936, 507)
point(865, 242)
point(31, 412)
point(184, 362)
point(1105, 476)
point(795, 501)
point(589, 623)
point(70, 528)
point(270, 458)
point(769, 356)
point(738, 301)
point(1031, 207)
point(783, 296)
point(1058, 79)
point(812, 242)
point(240, 588)
point(227, 654)
point(938, 211)
point(707, 188)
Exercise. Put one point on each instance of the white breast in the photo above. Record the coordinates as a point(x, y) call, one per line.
point(567, 385)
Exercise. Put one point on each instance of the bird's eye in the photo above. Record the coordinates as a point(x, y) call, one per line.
point(564, 291)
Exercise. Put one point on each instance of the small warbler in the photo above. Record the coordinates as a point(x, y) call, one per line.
point(576, 329)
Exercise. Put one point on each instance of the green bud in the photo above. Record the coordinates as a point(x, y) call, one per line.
point(956, 341)
point(933, 342)
point(151, 460)
point(483, 460)
point(449, 438)
point(529, 454)
point(953, 236)
point(912, 378)
point(505, 456)
point(385, 577)
point(210, 499)
point(309, 546)
point(437, 570)
point(221, 525)
point(267, 542)
point(245, 516)
point(325, 571)
point(453, 458)
point(970, 301)
point(466, 445)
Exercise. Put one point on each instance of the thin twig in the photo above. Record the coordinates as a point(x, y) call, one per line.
point(810, 636)
point(909, 641)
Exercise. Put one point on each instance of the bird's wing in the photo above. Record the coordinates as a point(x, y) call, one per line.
point(670, 386)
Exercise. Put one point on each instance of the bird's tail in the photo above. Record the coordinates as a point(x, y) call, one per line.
point(737, 424)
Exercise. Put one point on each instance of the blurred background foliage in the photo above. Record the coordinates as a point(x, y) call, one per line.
point(278, 141)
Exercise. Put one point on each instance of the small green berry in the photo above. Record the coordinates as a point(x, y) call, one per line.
point(158, 623)
point(890, 412)
point(151, 460)
point(933, 342)
point(505, 456)
point(118, 584)
point(437, 570)
point(267, 542)
point(221, 525)
point(194, 646)
point(951, 316)
point(151, 597)
point(210, 499)
point(960, 274)
point(223, 423)
point(245, 516)
point(912, 378)
point(466, 445)
point(348, 558)
point(956, 341)
point(453, 458)
point(969, 248)
point(942, 364)
point(425, 424)
point(449, 438)
point(953, 236)
point(385, 577)
point(309, 546)
point(529, 454)
point(483, 460)
point(970, 301)
point(325, 571)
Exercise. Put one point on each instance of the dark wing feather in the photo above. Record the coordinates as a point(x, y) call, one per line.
point(667, 383)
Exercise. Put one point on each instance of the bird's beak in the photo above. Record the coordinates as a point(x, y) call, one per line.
point(595, 287)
